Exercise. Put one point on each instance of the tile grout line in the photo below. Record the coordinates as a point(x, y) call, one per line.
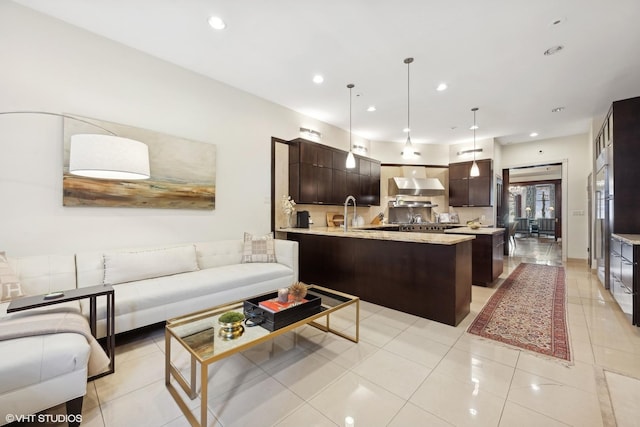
point(604, 398)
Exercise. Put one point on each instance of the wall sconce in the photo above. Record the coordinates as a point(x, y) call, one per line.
point(360, 148)
point(310, 133)
point(415, 154)
point(463, 152)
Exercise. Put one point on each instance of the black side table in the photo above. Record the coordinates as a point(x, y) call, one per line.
point(91, 292)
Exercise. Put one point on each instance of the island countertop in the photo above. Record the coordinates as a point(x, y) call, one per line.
point(397, 236)
point(632, 239)
point(469, 230)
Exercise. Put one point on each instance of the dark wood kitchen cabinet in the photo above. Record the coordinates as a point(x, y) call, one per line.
point(318, 175)
point(428, 280)
point(487, 258)
point(616, 156)
point(465, 190)
point(369, 182)
point(487, 253)
point(310, 173)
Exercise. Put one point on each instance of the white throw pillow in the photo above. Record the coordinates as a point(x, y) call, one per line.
point(122, 267)
point(259, 248)
point(10, 287)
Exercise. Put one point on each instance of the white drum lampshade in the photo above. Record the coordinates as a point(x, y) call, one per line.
point(108, 157)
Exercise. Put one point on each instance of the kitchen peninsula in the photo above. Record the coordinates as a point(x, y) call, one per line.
point(425, 274)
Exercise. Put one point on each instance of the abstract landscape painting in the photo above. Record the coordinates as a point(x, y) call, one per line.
point(183, 172)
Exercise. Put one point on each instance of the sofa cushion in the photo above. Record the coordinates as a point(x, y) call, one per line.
point(143, 294)
point(10, 287)
point(32, 360)
point(258, 248)
point(122, 267)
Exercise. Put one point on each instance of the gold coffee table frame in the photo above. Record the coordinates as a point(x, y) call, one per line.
point(196, 332)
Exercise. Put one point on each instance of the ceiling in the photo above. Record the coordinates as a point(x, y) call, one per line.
point(488, 52)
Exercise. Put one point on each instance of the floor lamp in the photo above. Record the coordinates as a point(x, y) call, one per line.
point(103, 156)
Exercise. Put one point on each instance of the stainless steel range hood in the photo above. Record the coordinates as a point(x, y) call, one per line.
point(415, 186)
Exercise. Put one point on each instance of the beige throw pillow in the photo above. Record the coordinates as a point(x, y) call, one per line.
point(259, 248)
point(10, 287)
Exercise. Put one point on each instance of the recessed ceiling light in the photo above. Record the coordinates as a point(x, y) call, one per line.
point(553, 50)
point(217, 23)
point(557, 109)
point(441, 87)
point(371, 108)
point(533, 134)
point(318, 79)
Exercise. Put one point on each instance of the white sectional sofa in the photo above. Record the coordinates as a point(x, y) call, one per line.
point(151, 285)
point(42, 371)
point(214, 275)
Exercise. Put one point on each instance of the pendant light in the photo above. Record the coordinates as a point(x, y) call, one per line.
point(475, 171)
point(351, 161)
point(408, 152)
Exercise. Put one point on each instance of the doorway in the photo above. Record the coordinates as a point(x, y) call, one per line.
point(533, 213)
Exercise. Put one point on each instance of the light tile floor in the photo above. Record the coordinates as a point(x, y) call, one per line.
point(405, 371)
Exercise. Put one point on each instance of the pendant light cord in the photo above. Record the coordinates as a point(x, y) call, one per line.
point(474, 132)
point(408, 61)
point(474, 135)
point(350, 86)
point(408, 152)
point(350, 100)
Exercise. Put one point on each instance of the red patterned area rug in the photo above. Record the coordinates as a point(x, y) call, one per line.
point(528, 311)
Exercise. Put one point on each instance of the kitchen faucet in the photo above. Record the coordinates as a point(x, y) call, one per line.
point(346, 203)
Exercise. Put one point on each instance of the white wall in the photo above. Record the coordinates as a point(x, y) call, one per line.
point(50, 66)
point(390, 153)
point(487, 151)
point(577, 153)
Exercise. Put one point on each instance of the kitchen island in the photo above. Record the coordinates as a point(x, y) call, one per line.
point(425, 274)
point(487, 253)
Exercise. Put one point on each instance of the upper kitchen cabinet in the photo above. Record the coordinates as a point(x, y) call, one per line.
point(310, 172)
point(465, 190)
point(316, 155)
point(617, 151)
point(373, 185)
point(318, 175)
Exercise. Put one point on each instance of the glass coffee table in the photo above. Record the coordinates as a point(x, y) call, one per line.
point(197, 333)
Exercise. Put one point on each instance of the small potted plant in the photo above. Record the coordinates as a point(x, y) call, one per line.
point(231, 325)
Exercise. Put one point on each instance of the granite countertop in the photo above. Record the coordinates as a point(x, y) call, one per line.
point(468, 230)
point(398, 236)
point(632, 239)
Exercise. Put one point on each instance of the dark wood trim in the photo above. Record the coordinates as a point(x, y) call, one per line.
point(541, 182)
point(505, 203)
point(426, 166)
point(274, 140)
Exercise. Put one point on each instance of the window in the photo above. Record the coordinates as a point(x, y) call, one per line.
point(544, 205)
